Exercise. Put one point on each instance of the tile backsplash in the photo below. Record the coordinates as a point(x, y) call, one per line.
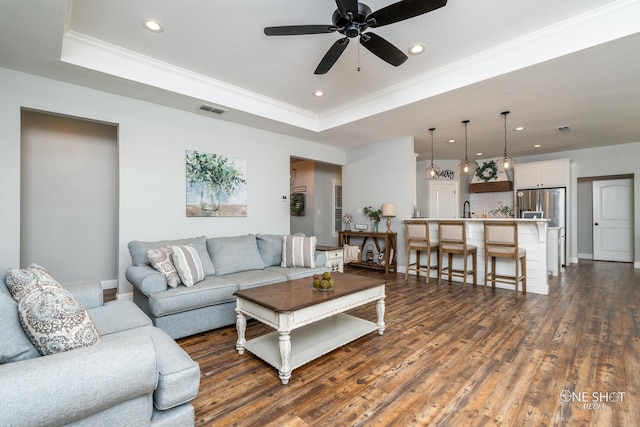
point(486, 202)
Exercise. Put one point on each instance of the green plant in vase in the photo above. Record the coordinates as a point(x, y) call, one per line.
point(215, 174)
point(374, 215)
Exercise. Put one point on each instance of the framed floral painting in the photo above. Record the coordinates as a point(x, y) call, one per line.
point(216, 185)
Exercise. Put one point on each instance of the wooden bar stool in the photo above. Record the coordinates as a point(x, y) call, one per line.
point(501, 241)
point(417, 237)
point(453, 241)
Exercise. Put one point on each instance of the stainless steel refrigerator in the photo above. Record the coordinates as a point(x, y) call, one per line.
point(551, 203)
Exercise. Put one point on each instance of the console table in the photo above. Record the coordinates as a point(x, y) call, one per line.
point(388, 240)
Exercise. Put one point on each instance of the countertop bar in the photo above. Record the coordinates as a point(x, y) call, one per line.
point(532, 236)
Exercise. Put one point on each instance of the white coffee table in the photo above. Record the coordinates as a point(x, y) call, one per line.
point(307, 323)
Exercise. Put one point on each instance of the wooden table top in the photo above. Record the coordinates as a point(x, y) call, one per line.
point(296, 294)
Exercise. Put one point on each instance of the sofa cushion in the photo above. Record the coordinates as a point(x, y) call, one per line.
point(253, 278)
point(14, 344)
point(138, 251)
point(298, 251)
point(270, 247)
point(188, 264)
point(178, 374)
point(116, 316)
point(20, 281)
point(54, 321)
point(211, 291)
point(162, 260)
point(234, 254)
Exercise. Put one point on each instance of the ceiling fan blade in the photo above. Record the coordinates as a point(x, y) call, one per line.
point(332, 56)
point(403, 10)
point(383, 49)
point(347, 6)
point(295, 30)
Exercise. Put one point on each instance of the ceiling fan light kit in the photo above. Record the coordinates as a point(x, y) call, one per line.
point(353, 19)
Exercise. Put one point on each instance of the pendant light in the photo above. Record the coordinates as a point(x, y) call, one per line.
point(467, 168)
point(505, 163)
point(433, 172)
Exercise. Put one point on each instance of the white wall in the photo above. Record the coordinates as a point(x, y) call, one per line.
point(377, 174)
point(152, 141)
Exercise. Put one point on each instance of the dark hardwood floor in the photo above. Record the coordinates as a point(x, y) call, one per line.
point(450, 357)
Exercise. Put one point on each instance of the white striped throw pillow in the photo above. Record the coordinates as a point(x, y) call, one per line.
point(298, 251)
point(188, 264)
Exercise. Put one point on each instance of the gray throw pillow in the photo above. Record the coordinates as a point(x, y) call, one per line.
point(188, 264)
point(298, 251)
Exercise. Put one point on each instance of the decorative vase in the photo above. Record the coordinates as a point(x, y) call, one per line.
point(209, 201)
point(375, 227)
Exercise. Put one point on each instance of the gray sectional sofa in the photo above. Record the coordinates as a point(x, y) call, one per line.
point(230, 263)
point(136, 375)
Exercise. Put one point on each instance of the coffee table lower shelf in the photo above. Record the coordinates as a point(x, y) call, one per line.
point(311, 341)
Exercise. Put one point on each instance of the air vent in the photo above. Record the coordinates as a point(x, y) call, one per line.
point(563, 129)
point(212, 109)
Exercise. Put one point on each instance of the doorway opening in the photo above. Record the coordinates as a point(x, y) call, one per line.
point(605, 218)
point(318, 186)
point(69, 197)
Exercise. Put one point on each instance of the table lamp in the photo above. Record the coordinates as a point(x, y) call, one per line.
point(389, 210)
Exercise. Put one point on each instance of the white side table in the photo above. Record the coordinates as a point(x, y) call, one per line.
point(334, 255)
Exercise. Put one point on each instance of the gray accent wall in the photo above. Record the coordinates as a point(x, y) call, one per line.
point(69, 197)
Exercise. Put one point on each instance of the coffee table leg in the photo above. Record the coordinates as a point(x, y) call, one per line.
point(285, 353)
point(380, 311)
point(241, 327)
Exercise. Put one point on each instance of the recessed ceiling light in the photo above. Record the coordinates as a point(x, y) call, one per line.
point(479, 154)
point(519, 128)
point(152, 25)
point(451, 141)
point(416, 49)
point(537, 146)
point(318, 93)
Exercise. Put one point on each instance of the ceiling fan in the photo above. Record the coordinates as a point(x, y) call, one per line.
point(352, 19)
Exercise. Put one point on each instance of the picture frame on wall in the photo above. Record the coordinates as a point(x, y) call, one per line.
point(216, 185)
point(297, 204)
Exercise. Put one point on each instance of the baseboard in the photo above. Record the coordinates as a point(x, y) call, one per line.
point(109, 284)
point(127, 296)
point(585, 256)
point(636, 265)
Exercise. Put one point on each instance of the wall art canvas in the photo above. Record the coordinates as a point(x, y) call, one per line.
point(216, 185)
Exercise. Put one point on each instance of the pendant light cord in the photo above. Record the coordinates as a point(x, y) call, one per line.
point(504, 113)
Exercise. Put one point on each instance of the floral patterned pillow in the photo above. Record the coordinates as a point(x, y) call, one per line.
point(55, 321)
point(162, 260)
point(21, 281)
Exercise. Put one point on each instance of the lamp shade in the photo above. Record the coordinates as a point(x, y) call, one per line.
point(388, 209)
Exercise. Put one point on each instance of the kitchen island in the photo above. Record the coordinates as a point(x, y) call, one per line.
point(532, 236)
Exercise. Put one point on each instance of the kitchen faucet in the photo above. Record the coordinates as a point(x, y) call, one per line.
point(466, 211)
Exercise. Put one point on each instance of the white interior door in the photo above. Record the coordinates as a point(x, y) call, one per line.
point(613, 220)
point(443, 199)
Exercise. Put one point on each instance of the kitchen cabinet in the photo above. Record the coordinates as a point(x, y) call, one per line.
point(553, 173)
